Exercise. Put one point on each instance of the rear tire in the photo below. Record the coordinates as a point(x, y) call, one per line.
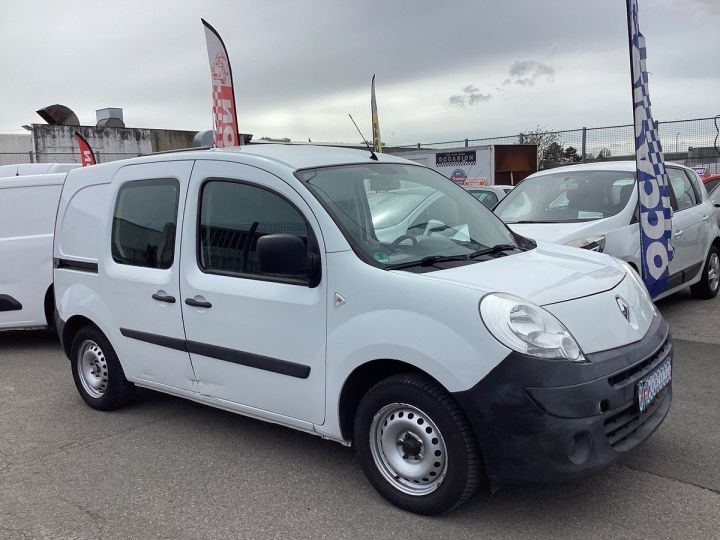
point(416, 446)
point(709, 284)
point(96, 370)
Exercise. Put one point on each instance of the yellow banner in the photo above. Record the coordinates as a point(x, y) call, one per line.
point(377, 143)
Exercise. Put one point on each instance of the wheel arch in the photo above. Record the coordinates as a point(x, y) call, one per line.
point(716, 242)
point(70, 329)
point(360, 380)
point(49, 305)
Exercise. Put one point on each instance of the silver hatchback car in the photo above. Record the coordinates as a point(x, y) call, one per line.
point(594, 206)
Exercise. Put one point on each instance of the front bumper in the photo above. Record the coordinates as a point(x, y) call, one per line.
point(540, 421)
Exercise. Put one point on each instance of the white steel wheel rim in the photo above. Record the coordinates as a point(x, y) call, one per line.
point(408, 449)
point(92, 369)
point(714, 271)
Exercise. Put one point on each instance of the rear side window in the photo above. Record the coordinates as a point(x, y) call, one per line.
point(144, 223)
point(488, 198)
point(682, 189)
point(233, 216)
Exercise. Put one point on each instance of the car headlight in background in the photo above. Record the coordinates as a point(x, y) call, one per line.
point(527, 328)
point(593, 243)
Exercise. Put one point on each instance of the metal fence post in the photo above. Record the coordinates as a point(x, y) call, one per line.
point(521, 138)
point(97, 157)
point(30, 153)
point(584, 143)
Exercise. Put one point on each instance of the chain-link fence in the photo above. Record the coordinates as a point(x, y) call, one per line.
point(13, 158)
point(691, 142)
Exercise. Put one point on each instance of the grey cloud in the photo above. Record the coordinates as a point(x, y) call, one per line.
point(457, 99)
point(471, 96)
point(527, 72)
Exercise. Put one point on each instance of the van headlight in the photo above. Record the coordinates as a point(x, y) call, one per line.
point(592, 243)
point(527, 328)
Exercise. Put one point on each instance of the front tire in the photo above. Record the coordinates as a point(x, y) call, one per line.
point(96, 370)
point(709, 284)
point(416, 446)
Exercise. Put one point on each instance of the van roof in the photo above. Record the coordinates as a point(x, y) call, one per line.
point(275, 158)
point(25, 169)
point(33, 180)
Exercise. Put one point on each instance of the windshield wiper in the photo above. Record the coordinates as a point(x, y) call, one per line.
point(495, 250)
point(427, 261)
point(433, 259)
point(528, 221)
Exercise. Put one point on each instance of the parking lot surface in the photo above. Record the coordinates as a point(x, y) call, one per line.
point(169, 468)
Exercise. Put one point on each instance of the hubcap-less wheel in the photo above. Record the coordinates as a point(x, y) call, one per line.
point(92, 368)
point(714, 271)
point(408, 449)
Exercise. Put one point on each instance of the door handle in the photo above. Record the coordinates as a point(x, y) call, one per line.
point(678, 233)
point(160, 296)
point(198, 303)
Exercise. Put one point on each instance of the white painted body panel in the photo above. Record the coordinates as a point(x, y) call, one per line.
point(429, 320)
point(277, 320)
point(127, 292)
point(27, 219)
point(28, 169)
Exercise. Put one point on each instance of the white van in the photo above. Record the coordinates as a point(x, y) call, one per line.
point(252, 279)
point(27, 219)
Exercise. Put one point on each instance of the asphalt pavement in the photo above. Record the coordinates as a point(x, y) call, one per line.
point(169, 468)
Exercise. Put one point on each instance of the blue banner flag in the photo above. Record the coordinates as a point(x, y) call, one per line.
point(652, 180)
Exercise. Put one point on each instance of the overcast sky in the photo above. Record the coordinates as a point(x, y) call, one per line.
point(445, 69)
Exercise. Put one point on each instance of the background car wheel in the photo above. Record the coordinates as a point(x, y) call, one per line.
point(709, 285)
point(98, 375)
point(416, 446)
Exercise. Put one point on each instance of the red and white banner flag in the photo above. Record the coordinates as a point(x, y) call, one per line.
point(223, 95)
point(87, 157)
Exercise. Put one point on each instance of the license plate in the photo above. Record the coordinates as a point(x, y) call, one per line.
point(650, 386)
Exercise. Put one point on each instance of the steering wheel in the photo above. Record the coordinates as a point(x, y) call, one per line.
point(402, 238)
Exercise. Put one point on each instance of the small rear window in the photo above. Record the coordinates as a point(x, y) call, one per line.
point(144, 222)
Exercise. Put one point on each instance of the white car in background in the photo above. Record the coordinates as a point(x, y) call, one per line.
point(489, 195)
point(594, 206)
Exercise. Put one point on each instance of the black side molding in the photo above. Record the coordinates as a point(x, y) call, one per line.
point(257, 361)
point(156, 339)
point(80, 266)
point(8, 303)
point(250, 359)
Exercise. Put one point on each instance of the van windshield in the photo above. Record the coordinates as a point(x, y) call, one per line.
point(400, 214)
point(567, 197)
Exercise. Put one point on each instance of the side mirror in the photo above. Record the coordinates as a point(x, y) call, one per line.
point(285, 255)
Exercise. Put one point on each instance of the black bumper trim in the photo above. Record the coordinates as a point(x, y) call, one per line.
point(540, 421)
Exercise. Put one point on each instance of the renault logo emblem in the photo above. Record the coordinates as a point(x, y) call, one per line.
point(624, 308)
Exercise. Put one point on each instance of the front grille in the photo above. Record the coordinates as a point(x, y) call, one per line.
point(620, 426)
point(624, 421)
point(637, 371)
